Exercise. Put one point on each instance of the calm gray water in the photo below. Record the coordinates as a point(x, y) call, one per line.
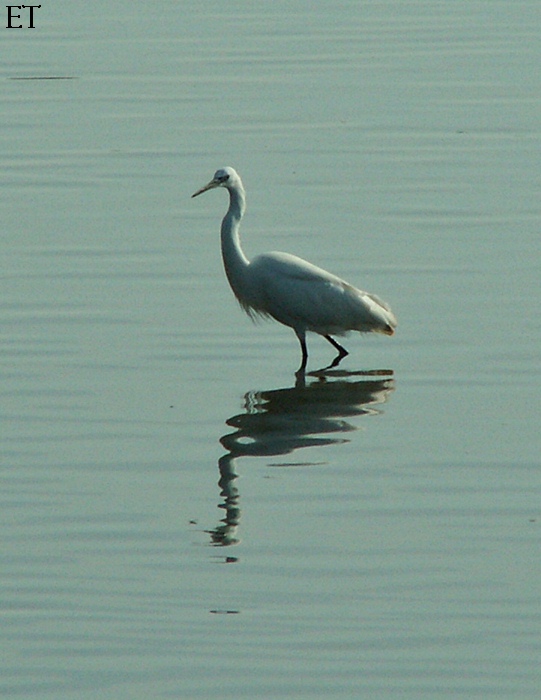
point(179, 520)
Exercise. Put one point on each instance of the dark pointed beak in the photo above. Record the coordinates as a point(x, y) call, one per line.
point(211, 185)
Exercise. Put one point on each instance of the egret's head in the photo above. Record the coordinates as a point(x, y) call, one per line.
point(224, 177)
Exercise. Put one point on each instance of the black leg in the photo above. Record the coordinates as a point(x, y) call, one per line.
point(342, 352)
point(301, 335)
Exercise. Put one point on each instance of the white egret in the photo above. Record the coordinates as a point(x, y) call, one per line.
point(291, 290)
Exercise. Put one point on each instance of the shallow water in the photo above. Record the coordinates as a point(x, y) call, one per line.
point(179, 518)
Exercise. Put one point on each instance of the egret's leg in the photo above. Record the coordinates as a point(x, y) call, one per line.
point(342, 352)
point(301, 335)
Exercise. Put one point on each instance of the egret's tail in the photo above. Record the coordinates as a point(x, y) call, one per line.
point(388, 330)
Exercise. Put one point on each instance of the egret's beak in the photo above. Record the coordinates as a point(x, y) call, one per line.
point(211, 185)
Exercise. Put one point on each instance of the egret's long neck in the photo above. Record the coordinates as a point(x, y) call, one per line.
point(235, 262)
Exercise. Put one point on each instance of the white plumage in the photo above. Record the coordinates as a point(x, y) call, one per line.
point(291, 290)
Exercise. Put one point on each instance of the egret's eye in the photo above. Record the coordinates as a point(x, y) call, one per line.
point(222, 178)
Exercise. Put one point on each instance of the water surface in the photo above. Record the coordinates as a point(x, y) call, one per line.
point(180, 518)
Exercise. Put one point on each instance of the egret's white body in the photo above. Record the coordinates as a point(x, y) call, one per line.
point(291, 290)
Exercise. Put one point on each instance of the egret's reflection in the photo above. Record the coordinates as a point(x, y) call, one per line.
point(279, 421)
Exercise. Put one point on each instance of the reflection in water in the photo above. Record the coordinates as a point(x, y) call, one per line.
point(279, 421)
